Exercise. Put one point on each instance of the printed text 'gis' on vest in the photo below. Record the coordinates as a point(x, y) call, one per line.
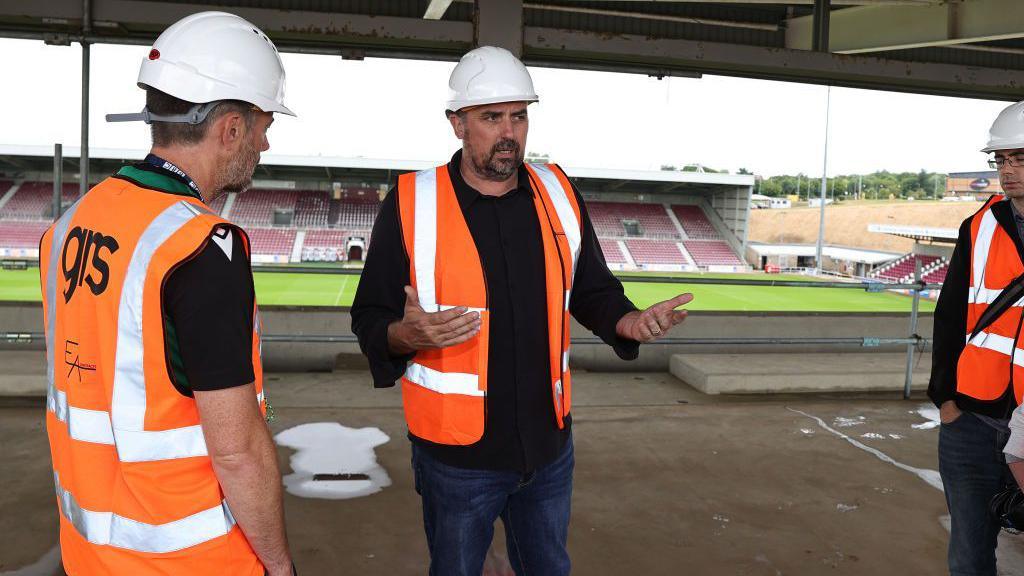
point(83, 260)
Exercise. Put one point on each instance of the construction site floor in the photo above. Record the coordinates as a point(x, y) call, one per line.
point(668, 481)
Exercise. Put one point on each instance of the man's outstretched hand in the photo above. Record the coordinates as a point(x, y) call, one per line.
point(654, 322)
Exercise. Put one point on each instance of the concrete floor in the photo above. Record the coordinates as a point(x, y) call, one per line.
point(668, 481)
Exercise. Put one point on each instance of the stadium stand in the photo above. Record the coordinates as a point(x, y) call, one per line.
point(903, 267)
point(33, 200)
point(329, 219)
point(357, 212)
point(711, 253)
point(257, 207)
point(658, 252)
point(311, 209)
point(608, 218)
point(937, 275)
point(612, 253)
point(695, 223)
point(324, 245)
point(272, 241)
point(22, 234)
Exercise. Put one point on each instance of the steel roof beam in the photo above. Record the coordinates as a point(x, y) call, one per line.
point(882, 28)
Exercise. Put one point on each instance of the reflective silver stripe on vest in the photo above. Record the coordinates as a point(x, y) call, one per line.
point(997, 343)
point(563, 208)
point(425, 237)
point(128, 404)
point(60, 232)
point(109, 529)
point(979, 294)
point(443, 382)
point(83, 425)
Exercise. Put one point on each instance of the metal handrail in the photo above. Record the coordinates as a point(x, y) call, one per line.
point(868, 342)
point(638, 278)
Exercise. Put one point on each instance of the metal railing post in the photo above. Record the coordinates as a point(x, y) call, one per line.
point(58, 177)
point(913, 328)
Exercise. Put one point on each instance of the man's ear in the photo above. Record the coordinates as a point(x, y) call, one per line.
point(458, 125)
point(230, 129)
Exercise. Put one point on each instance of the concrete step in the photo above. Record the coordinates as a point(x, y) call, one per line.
point(774, 373)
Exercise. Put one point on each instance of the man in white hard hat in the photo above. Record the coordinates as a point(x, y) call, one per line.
point(466, 297)
point(977, 379)
point(162, 458)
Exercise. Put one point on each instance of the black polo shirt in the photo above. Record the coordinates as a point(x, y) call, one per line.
point(520, 433)
point(207, 299)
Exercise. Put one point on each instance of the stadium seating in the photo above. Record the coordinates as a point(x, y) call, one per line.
point(329, 219)
point(712, 253)
point(272, 241)
point(646, 252)
point(938, 274)
point(607, 218)
point(311, 209)
point(22, 234)
point(695, 223)
point(33, 200)
point(903, 268)
point(357, 212)
point(257, 206)
point(612, 253)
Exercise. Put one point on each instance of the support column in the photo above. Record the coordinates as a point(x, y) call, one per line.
point(83, 185)
point(822, 12)
point(499, 23)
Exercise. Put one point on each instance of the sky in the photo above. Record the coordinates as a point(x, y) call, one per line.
point(389, 108)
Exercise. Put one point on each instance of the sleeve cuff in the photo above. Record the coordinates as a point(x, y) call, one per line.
point(385, 367)
point(624, 348)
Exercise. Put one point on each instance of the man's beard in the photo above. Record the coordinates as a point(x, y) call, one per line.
point(236, 175)
point(499, 169)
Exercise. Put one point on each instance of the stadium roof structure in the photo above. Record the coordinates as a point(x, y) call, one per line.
point(972, 48)
point(15, 160)
point(964, 48)
point(918, 233)
point(845, 253)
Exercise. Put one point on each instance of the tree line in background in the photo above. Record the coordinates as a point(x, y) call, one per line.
point(880, 185)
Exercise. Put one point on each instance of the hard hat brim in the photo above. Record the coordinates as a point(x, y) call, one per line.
point(456, 105)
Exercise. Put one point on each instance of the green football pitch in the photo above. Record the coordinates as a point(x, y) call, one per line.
point(274, 288)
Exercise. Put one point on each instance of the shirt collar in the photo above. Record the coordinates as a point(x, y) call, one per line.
point(467, 194)
point(158, 174)
point(1016, 214)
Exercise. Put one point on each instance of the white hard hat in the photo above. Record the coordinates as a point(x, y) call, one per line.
point(212, 56)
point(488, 75)
point(1007, 132)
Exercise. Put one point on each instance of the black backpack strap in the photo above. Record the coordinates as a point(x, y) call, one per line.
point(1013, 292)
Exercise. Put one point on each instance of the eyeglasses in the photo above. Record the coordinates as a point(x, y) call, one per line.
point(1014, 160)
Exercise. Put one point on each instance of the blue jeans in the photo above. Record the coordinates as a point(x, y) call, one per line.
point(973, 469)
point(461, 505)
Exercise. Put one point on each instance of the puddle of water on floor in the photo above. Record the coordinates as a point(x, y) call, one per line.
point(329, 448)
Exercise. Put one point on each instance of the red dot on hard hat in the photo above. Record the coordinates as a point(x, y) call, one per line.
point(154, 54)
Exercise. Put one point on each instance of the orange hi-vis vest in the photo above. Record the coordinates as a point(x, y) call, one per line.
point(136, 490)
point(994, 358)
point(444, 390)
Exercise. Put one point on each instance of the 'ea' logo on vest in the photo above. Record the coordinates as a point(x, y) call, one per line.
point(82, 260)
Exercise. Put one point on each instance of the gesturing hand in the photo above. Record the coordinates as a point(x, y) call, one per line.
point(421, 330)
point(655, 321)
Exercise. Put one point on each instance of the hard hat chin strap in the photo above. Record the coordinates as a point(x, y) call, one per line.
point(195, 115)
